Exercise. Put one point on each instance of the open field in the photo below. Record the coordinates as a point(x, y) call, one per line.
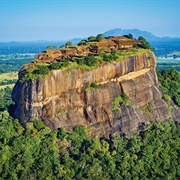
point(8, 76)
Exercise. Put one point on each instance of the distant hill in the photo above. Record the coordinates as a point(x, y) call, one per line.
point(136, 33)
point(120, 32)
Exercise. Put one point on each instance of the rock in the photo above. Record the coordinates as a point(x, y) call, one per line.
point(61, 99)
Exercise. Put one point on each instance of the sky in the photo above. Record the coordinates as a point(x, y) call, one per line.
point(29, 20)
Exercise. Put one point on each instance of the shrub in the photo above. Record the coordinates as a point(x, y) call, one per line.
point(166, 98)
point(80, 61)
point(61, 134)
point(116, 103)
point(80, 130)
point(91, 61)
point(93, 86)
point(43, 70)
point(118, 100)
point(100, 37)
point(59, 65)
point(34, 72)
point(107, 58)
point(91, 38)
point(170, 80)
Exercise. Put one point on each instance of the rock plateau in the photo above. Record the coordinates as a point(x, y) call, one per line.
point(67, 98)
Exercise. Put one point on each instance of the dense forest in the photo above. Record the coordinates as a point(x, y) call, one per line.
point(170, 85)
point(33, 151)
point(5, 99)
point(12, 65)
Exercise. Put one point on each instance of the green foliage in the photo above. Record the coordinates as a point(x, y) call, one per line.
point(6, 82)
point(92, 38)
point(166, 98)
point(35, 71)
point(126, 99)
point(99, 37)
point(36, 152)
point(69, 43)
point(91, 61)
point(62, 111)
point(129, 36)
point(5, 98)
point(149, 58)
point(61, 134)
point(148, 109)
point(110, 57)
point(42, 70)
point(116, 104)
point(144, 43)
point(93, 86)
point(12, 65)
point(51, 48)
point(170, 81)
point(80, 61)
point(59, 65)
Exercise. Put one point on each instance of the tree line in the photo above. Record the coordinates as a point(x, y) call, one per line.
point(33, 151)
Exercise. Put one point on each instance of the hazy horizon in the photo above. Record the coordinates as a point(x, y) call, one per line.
point(53, 20)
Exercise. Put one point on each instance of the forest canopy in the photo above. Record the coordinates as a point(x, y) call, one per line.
point(34, 151)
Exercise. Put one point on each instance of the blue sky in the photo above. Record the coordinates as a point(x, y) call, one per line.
point(28, 20)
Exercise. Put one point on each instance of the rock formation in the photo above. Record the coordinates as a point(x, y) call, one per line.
point(67, 99)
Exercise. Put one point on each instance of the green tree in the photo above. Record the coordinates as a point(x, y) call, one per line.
point(144, 43)
point(91, 38)
point(69, 43)
point(43, 70)
point(129, 36)
point(51, 48)
point(100, 37)
point(91, 61)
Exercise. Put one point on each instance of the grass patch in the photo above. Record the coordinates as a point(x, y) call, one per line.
point(116, 104)
point(166, 98)
point(148, 109)
point(62, 111)
point(93, 86)
point(35, 71)
point(8, 79)
point(8, 76)
point(170, 108)
point(123, 55)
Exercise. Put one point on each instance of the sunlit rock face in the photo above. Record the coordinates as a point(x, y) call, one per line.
point(63, 99)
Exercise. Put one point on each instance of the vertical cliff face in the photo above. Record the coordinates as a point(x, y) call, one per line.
point(66, 99)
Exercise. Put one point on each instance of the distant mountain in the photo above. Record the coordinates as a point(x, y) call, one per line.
point(120, 32)
point(135, 32)
point(76, 40)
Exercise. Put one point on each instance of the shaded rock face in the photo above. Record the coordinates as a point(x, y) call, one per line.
point(65, 99)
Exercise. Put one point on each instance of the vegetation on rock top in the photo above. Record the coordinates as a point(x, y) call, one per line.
point(86, 55)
